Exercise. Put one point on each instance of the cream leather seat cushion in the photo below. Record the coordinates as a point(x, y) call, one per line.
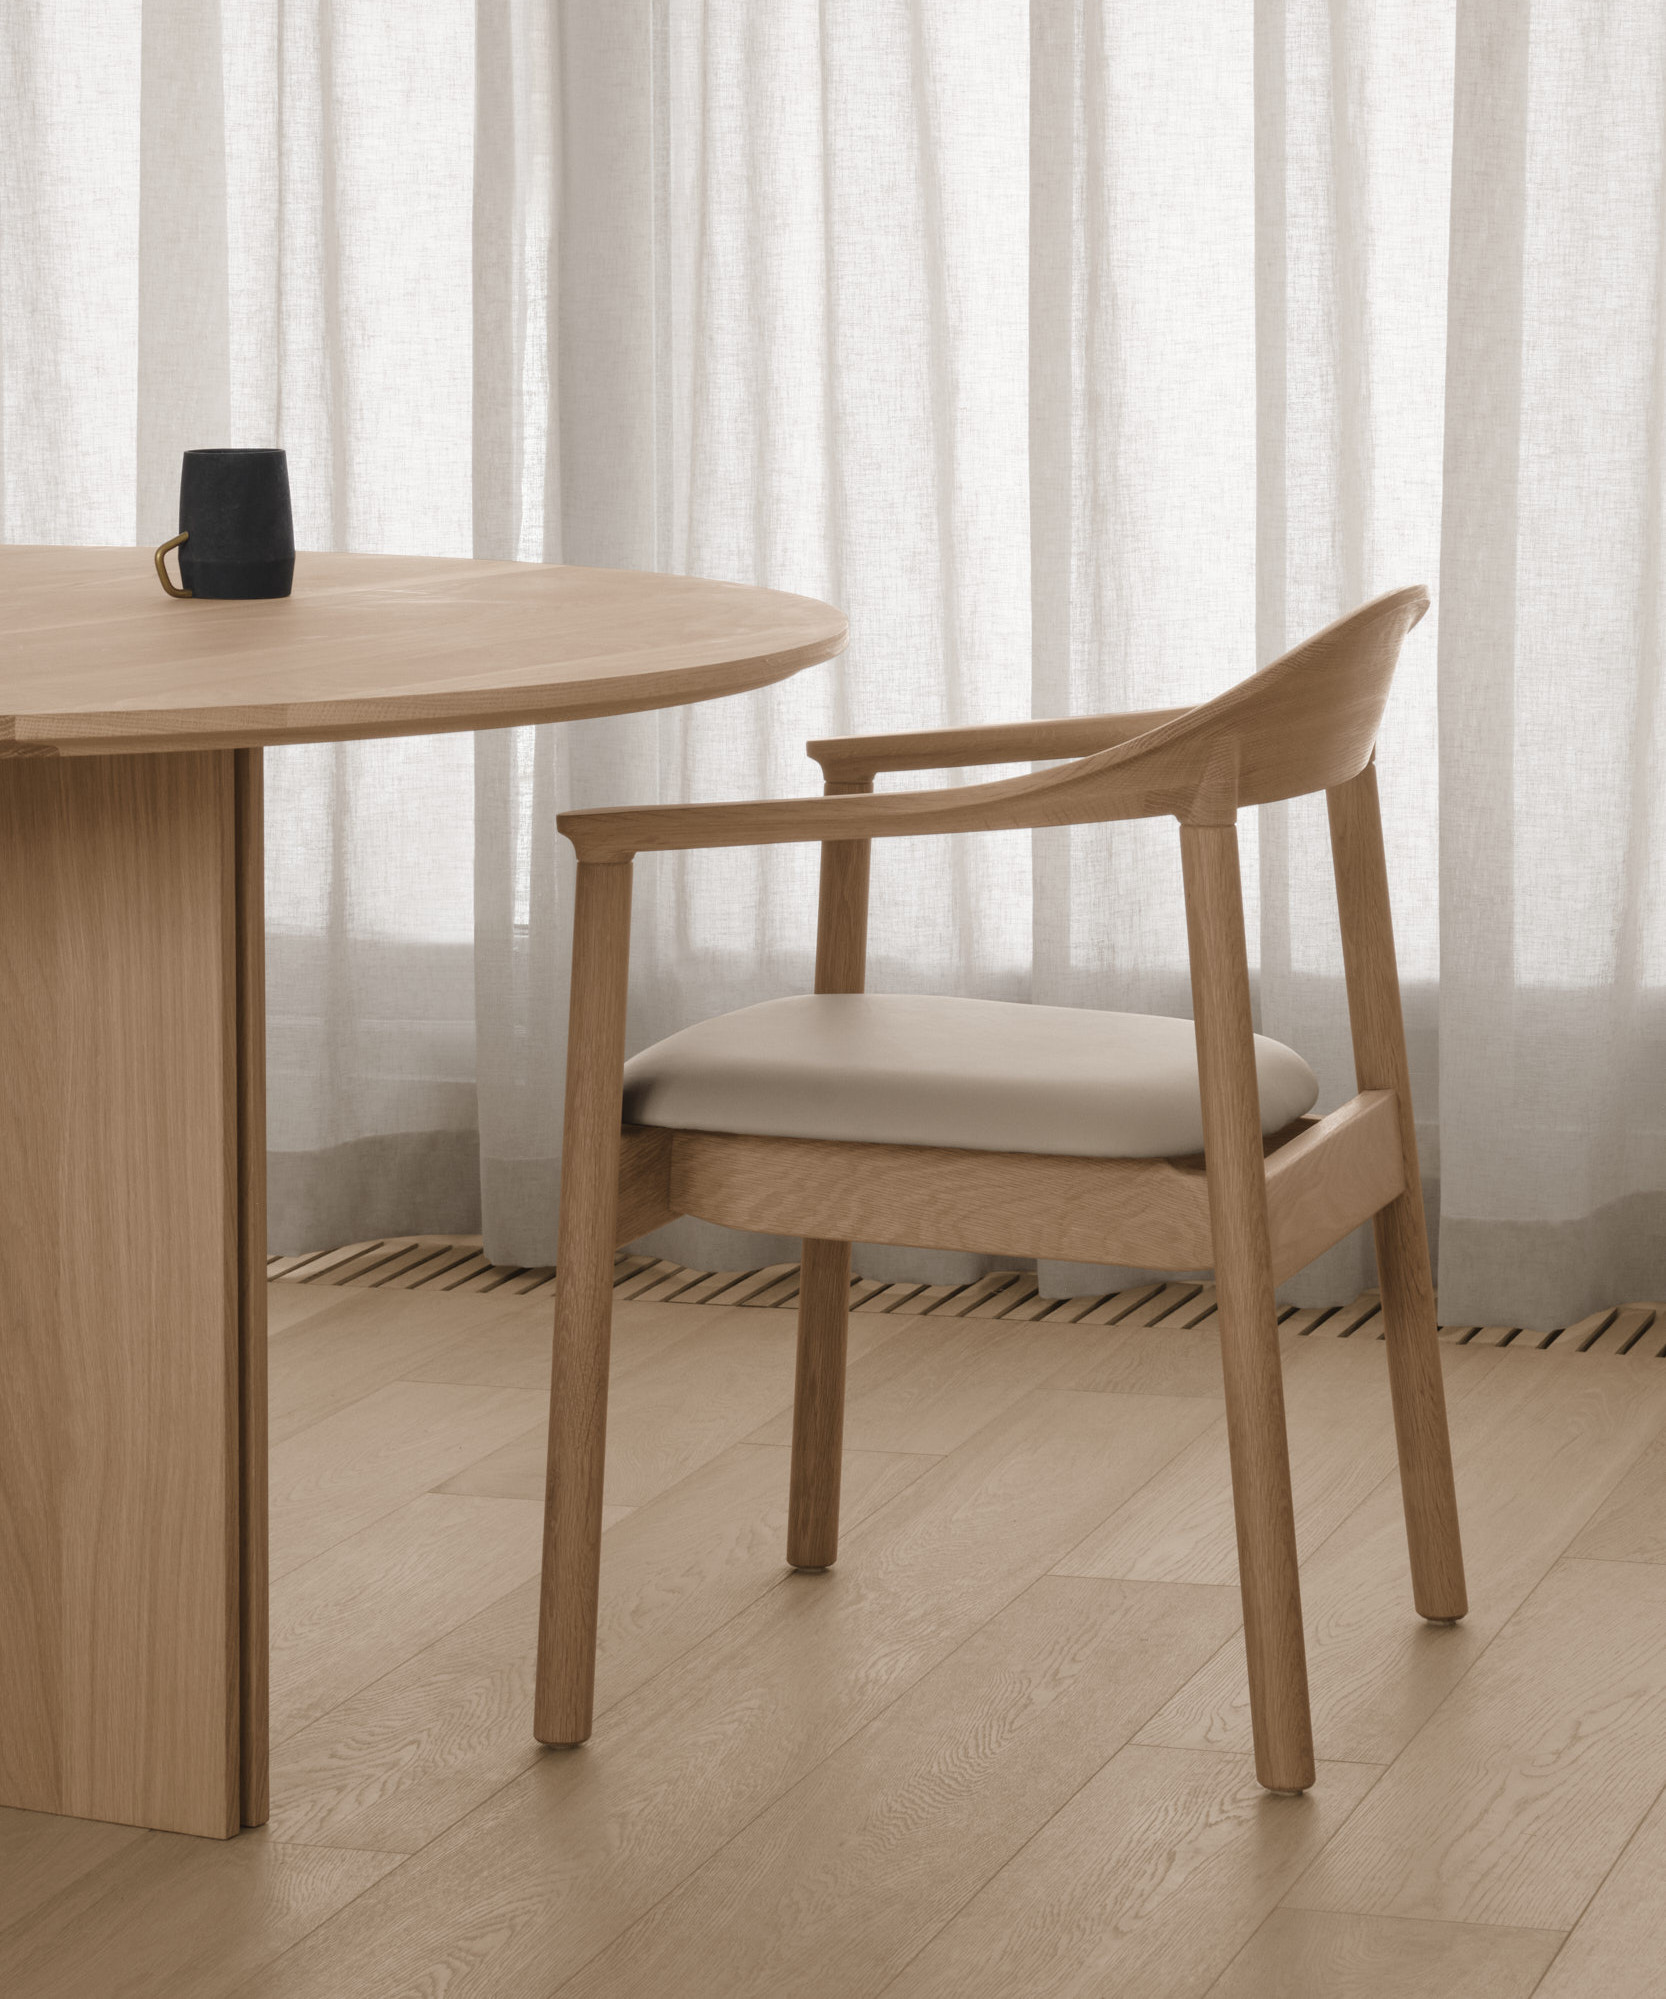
point(906, 1069)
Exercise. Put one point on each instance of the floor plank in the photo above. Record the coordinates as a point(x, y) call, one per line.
point(680, 1405)
point(1173, 1358)
point(1537, 1446)
point(176, 1918)
point(291, 1305)
point(1630, 1525)
point(41, 1854)
point(402, 1760)
point(357, 1611)
point(1618, 1946)
point(1143, 1360)
point(1517, 1797)
point(376, 1455)
point(364, 1340)
point(1180, 1527)
point(1145, 1885)
point(932, 1389)
point(907, 1820)
point(522, 1892)
point(510, 1347)
point(1314, 1954)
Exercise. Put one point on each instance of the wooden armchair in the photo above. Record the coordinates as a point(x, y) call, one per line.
point(1265, 1192)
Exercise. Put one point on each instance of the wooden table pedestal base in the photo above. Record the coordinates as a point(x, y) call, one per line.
point(132, 1306)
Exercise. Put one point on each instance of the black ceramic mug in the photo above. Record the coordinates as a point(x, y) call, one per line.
point(236, 535)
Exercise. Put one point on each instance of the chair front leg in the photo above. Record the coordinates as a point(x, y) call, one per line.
point(566, 1678)
point(1250, 1363)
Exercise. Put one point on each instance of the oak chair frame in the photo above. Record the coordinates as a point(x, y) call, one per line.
point(1254, 1209)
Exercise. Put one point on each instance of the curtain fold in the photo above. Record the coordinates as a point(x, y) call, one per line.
point(1552, 758)
point(1088, 355)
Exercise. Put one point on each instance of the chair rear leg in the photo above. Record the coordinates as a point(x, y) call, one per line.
point(1418, 1390)
point(1437, 1563)
point(819, 1405)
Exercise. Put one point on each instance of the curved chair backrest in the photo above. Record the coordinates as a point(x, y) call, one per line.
point(1304, 723)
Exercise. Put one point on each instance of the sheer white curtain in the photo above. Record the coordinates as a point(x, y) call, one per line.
point(1087, 354)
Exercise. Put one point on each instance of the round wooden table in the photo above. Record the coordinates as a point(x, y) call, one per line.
point(133, 1640)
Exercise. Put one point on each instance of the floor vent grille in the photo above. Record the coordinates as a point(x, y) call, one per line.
point(455, 1263)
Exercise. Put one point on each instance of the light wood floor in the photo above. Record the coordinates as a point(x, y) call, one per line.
point(1001, 1750)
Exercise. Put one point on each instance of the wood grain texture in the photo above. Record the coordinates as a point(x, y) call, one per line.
point(363, 1607)
point(1179, 1528)
point(1517, 1797)
point(1143, 1360)
point(422, 1745)
point(96, 659)
point(644, 1183)
point(502, 1342)
point(351, 1469)
point(819, 1405)
point(904, 1782)
point(1618, 1945)
point(910, 1817)
point(1153, 1212)
point(1538, 1444)
point(1400, 1230)
point(41, 1855)
point(1630, 1525)
point(1166, 1359)
point(1243, 1260)
point(1310, 1954)
point(1149, 1881)
point(1014, 1204)
point(290, 1305)
point(1303, 723)
point(254, 1615)
point(934, 1383)
point(369, 1338)
point(824, 1274)
point(1336, 1174)
point(687, 1761)
point(842, 904)
point(119, 1489)
point(583, 1304)
point(857, 760)
point(703, 1392)
point(177, 1918)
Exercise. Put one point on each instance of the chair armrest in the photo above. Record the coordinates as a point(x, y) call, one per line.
point(615, 833)
point(1150, 771)
point(844, 758)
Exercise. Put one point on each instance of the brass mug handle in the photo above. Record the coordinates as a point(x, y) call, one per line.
point(162, 568)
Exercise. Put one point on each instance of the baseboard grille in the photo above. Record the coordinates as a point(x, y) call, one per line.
point(455, 1263)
